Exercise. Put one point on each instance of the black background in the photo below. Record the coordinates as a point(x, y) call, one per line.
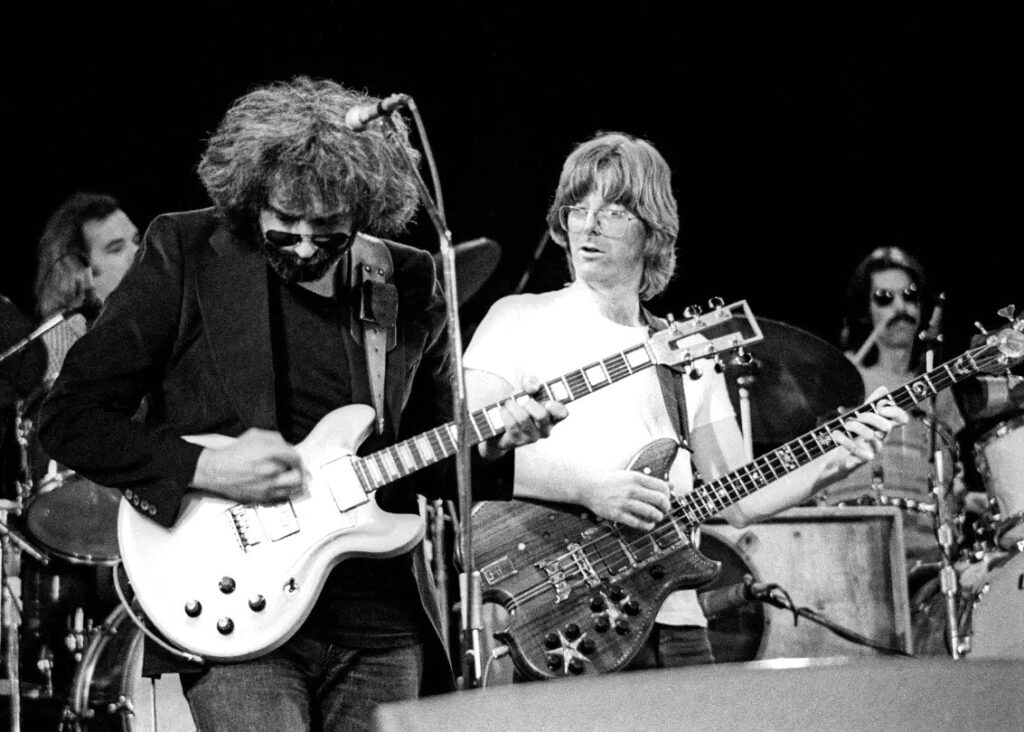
point(800, 137)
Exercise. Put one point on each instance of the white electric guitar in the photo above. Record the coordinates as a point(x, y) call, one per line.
point(232, 581)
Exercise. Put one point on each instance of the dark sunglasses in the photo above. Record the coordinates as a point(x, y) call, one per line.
point(883, 298)
point(335, 242)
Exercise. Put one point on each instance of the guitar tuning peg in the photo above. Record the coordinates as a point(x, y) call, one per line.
point(670, 318)
point(692, 311)
point(742, 357)
point(715, 303)
point(695, 373)
point(1007, 312)
point(719, 366)
point(980, 327)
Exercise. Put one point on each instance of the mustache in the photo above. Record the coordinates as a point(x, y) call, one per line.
point(901, 318)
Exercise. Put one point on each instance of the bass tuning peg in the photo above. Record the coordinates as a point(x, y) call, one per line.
point(692, 311)
point(715, 303)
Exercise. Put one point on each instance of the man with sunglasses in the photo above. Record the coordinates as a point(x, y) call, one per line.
point(615, 215)
point(255, 319)
point(888, 308)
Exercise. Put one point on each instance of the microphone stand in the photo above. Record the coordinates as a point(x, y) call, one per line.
point(47, 325)
point(469, 579)
point(948, 580)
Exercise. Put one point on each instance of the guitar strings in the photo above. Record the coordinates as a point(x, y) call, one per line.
point(668, 525)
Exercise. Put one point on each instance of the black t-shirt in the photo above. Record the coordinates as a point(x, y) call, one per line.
point(366, 603)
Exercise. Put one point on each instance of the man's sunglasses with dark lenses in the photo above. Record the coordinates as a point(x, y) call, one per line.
point(883, 298)
point(334, 242)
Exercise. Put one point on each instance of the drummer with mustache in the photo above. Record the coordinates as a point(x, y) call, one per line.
point(888, 308)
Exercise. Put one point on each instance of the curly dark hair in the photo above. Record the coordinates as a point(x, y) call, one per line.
point(63, 253)
point(290, 138)
point(857, 321)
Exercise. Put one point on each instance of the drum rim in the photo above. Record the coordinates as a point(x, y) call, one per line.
point(991, 433)
point(46, 487)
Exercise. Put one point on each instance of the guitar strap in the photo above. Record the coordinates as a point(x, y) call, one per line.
point(671, 380)
point(374, 312)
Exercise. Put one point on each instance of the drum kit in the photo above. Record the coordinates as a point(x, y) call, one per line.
point(72, 655)
point(796, 379)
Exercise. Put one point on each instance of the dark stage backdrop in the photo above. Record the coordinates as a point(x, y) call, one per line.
point(799, 137)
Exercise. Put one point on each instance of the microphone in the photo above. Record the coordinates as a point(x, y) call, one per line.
point(716, 602)
point(358, 117)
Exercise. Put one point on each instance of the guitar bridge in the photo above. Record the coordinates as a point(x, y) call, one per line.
point(556, 576)
point(256, 524)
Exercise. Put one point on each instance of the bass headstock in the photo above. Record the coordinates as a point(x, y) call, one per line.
point(724, 328)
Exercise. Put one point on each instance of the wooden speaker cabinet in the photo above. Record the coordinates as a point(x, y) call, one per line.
point(844, 563)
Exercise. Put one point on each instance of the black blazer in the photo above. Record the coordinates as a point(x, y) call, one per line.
point(188, 330)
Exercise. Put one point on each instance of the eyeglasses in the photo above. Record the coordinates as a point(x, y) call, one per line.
point(883, 298)
point(334, 242)
point(611, 223)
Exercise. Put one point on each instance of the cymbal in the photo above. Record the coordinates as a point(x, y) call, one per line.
point(25, 370)
point(475, 262)
point(794, 380)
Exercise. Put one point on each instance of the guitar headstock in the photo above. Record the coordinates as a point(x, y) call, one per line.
point(1005, 347)
point(725, 328)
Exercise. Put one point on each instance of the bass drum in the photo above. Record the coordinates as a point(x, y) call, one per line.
point(110, 693)
point(735, 634)
point(994, 622)
point(999, 455)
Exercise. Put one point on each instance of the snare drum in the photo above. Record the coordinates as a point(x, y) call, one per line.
point(74, 518)
point(999, 456)
point(110, 693)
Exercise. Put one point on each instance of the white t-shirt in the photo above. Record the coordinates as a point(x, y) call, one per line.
point(553, 333)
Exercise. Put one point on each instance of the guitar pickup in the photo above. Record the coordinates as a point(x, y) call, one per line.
point(498, 570)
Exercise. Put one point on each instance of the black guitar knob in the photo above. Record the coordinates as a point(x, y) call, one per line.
point(576, 666)
point(225, 626)
point(602, 624)
point(572, 631)
point(193, 608)
point(615, 592)
point(587, 646)
point(256, 604)
point(631, 607)
point(622, 626)
point(657, 572)
point(552, 641)
point(226, 585)
point(597, 603)
point(554, 662)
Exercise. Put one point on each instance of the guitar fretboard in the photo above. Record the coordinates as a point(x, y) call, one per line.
point(708, 499)
point(403, 458)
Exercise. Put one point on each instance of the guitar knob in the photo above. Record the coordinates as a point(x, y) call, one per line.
point(602, 624)
point(554, 662)
point(552, 641)
point(193, 608)
point(657, 572)
point(615, 592)
point(597, 603)
point(572, 631)
point(631, 607)
point(225, 626)
point(576, 666)
point(622, 626)
point(256, 604)
point(587, 646)
point(226, 585)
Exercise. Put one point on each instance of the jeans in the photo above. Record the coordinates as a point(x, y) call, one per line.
point(304, 685)
point(669, 646)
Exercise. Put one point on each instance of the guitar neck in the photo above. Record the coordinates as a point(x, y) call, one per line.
point(404, 458)
point(706, 500)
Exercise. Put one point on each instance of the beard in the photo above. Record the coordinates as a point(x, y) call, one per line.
point(291, 268)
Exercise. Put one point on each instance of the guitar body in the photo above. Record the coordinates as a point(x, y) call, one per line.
point(231, 582)
point(582, 593)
